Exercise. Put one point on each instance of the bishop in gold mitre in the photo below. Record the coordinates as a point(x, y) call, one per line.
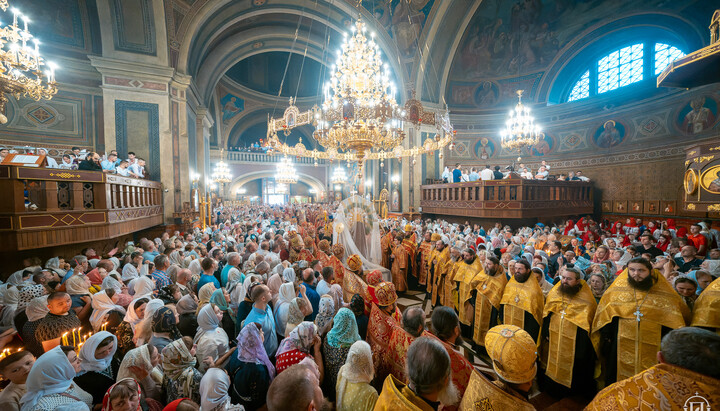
point(706, 311)
point(489, 289)
point(522, 301)
point(514, 357)
point(566, 351)
point(632, 316)
point(469, 271)
point(687, 377)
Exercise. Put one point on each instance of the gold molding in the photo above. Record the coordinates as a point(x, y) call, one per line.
point(705, 158)
point(714, 207)
point(690, 206)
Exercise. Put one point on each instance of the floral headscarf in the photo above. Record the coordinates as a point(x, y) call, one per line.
point(301, 338)
point(164, 321)
point(204, 295)
point(75, 285)
point(295, 315)
point(336, 293)
point(345, 330)
point(251, 349)
point(179, 365)
point(107, 404)
point(358, 367)
point(326, 312)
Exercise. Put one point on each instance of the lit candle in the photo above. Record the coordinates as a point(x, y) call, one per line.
point(64, 339)
point(73, 336)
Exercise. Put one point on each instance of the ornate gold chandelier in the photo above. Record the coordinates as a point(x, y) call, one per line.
point(520, 128)
point(360, 118)
point(20, 64)
point(221, 173)
point(286, 172)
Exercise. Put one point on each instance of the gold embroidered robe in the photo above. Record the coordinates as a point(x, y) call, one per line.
point(520, 298)
point(442, 264)
point(467, 277)
point(638, 337)
point(483, 394)
point(423, 271)
point(397, 396)
point(706, 311)
point(400, 268)
point(489, 293)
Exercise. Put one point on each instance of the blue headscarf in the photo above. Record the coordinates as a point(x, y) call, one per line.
point(345, 330)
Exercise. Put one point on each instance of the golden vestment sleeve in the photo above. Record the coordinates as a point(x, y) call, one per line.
point(706, 312)
point(396, 396)
point(467, 277)
point(482, 394)
point(489, 293)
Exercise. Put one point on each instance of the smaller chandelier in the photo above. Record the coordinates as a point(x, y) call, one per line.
point(281, 188)
point(339, 176)
point(221, 174)
point(286, 172)
point(521, 130)
point(20, 64)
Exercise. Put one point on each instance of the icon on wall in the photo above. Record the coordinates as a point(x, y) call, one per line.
point(710, 179)
point(652, 207)
point(607, 206)
point(636, 207)
point(667, 207)
point(485, 148)
point(544, 146)
point(621, 207)
point(611, 134)
point(698, 115)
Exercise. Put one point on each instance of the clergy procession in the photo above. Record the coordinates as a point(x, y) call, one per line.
point(268, 308)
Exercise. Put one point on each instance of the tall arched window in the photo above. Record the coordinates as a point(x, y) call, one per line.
point(622, 67)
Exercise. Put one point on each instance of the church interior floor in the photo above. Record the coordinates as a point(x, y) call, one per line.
point(481, 361)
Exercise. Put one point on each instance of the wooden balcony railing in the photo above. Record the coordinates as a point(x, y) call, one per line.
point(510, 198)
point(45, 207)
point(258, 157)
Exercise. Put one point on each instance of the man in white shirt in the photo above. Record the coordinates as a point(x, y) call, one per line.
point(51, 162)
point(542, 173)
point(526, 174)
point(138, 168)
point(486, 174)
point(579, 175)
point(123, 169)
point(474, 176)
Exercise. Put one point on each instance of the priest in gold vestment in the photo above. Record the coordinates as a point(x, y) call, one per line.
point(686, 378)
point(424, 251)
point(401, 264)
point(513, 353)
point(706, 311)
point(489, 289)
point(442, 264)
point(522, 301)
point(467, 276)
point(632, 316)
point(567, 354)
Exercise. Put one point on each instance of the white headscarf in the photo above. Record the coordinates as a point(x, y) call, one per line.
point(214, 389)
point(129, 272)
point(144, 287)
point(358, 368)
point(144, 329)
point(87, 353)
point(110, 282)
point(131, 316)
point(207, 321)
point(288, 275)
point(54, 264)
point(285, 296)
point(102, 304)
point(52, 373)
point(195, 267)
point(37, 308)
point(137, 357)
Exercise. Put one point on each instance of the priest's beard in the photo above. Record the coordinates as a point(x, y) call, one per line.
point(469, 261)
point(570, 290)
point(492, 272)
point(642, 285)
point(521, 278)
point(449, 395)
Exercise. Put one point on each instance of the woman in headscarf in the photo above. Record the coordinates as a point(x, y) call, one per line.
point(164, 328)
point(143, 331)
point(50, 383)
point(57, 264)
point(36, 310)
point(336, 293)
point(221, 299)
point(28, 293)
point(357, 306)
point(297, 311)
point(77, 286)
point(336, 346)
point(10, 300)
point(243, 295)
point(126, 330)
point(176, 258)
point(96, 369)
point(139, 363)
point(204, 295)
point(253, 371)
point(144, 287)
point(211, 339)
point(187, 323)
point(121, 296)
point(126, 395)
point(302, 342)
point(354, 392)
point(285, 296)
point(214, 388)
point(326, 312)
point(102, 305)
point(598, 284)
point(181, 379)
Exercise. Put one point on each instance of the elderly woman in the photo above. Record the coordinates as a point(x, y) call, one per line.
point(50, 383)
point(354, 392)
point(298, 309)
point(211, 339)
point(186, 309)
point(139, 364)
point(77, 286)
point(326, 312)
point(253, 370)
point(221, 299)
point(96, 372)
point(336, 346)
point(181, 378)
point(126, 330)
point(598, 284)
point(303, 342)
point(103, 305)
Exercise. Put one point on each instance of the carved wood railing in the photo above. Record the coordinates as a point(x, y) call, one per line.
point(44, 207)
point(510, 198)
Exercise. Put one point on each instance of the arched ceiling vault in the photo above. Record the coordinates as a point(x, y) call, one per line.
point(213, 39)
point(239, 181)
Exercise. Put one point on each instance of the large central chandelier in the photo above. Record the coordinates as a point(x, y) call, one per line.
point(221, 174)
point(21, 64)
point(286, 172)
point(520, 129)
point(360, 118)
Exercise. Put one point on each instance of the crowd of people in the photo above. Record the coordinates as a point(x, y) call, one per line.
point(264, 309)
point(460, 175)
point(79, 159)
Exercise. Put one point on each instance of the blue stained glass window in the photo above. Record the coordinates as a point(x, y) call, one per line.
point(581, 89)
point(620, 68)
point(664, 55)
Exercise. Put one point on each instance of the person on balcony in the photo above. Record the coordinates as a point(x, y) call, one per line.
point(91, 162)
